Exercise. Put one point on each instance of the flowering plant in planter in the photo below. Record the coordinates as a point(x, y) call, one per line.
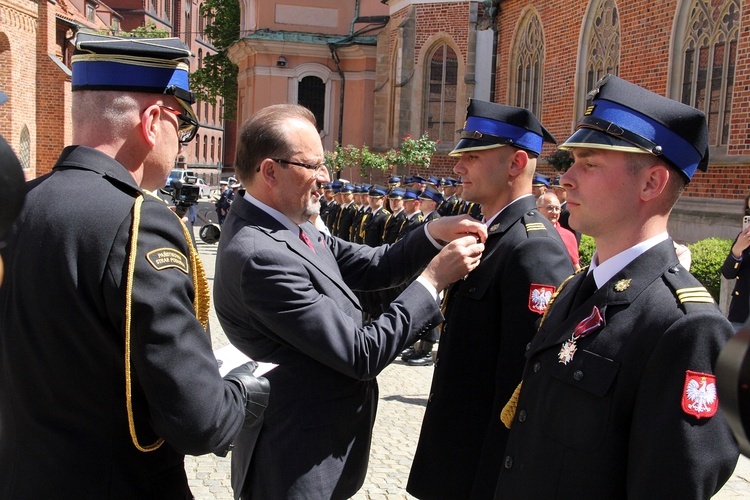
point(417, 152)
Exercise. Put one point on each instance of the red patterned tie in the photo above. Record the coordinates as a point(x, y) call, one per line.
point(307, 241)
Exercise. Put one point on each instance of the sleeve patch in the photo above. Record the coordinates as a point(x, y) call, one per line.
point(699, 397)
point(166, 258)
point(539, 297)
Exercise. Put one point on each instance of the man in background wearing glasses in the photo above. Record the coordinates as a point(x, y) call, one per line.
point(284, 294)
point(549, 205)
point(107, 378)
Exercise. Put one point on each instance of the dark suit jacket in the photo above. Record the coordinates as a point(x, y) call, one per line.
point(64, 431)
point(279, 302)
point(617, 407)
point(738, 270)
point(489, 322)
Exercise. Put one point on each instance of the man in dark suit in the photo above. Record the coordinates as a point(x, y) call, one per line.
point(107, 376)
point(619, 381)
point(284, 294)
point(493, 313)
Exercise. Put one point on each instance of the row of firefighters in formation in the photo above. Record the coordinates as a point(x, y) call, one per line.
point(376, 215)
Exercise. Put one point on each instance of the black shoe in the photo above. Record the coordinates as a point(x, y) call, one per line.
point(421, 360)
point(413, 354)
point(408, 350)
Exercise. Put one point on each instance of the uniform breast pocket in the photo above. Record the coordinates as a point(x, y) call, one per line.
point(577, 410)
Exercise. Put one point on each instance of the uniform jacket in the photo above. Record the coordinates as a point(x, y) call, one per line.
point(279, 302)
point(610, 423)
point(332, 214)
point(344, 220)
point(409, 224)
point(393, 226)
point(448, 206)
point(374, 227)
point(739, 270)
point(491, 316)
point(64, 431)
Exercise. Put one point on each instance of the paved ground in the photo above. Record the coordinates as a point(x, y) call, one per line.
point(403, 391)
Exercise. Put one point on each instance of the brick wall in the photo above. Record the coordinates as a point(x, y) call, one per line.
point(646, 29)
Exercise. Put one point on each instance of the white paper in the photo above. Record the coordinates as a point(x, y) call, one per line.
point(230, 357)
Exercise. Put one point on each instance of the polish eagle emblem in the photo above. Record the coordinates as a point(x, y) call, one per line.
point(699, 397)
point(539, 297)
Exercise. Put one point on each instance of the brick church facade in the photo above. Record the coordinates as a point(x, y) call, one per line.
point(377, 70)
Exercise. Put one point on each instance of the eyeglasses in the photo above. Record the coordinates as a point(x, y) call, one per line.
point(188, 127)
point(552, 208)
point(318, 169)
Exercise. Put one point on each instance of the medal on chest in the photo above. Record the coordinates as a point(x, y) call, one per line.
point(589, 325)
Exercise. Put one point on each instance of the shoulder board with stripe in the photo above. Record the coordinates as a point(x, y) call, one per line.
point(694, 294)
point(688, 290)
point(535, 226)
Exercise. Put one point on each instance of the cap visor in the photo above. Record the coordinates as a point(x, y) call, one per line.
point(594, 139)
point(466, 145)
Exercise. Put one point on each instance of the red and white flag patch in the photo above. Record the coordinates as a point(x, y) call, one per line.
point(699, 397)
point(539, 297)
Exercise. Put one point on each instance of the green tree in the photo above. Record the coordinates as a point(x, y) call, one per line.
point(148, 31)
point(218, 76)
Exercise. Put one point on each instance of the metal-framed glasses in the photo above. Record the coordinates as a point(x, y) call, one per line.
point(552, 208)
point(188, 127)
point(317, 169)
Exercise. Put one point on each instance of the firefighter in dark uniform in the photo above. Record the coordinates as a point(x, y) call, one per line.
point(430, 199)
point(493, 313)
point(398, 217)
point(347, 212)
point(448, 206)
point(326, 202)
point(374, 225)
point(334, 206)
point(363, 215)
point(618, 398)
point(411, 212)
point(108, 378)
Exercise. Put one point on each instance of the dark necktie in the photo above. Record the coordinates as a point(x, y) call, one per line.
point(306, 240)
point(586, 290)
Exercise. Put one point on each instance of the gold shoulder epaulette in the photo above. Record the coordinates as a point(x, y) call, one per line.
point(535, 226)
point(695, 294)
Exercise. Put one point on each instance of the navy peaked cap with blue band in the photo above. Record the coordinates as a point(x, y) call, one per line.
point(449, 181)
point(377, 191)
point(397, 193)
point(540, 180)
point(394, 180)
point(430, 193)
point(491, 125)
point(149, 65)
point(411, 193)
point(347, 188)
point(625, 117)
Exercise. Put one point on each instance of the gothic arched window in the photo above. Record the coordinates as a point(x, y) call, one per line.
point(602, 45)
point(440, 95)
point(528, 64)
point(709, 53)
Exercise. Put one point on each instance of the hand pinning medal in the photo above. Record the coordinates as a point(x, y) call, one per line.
point(590, 324)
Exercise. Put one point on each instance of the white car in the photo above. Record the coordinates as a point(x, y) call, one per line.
point(205, 189)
